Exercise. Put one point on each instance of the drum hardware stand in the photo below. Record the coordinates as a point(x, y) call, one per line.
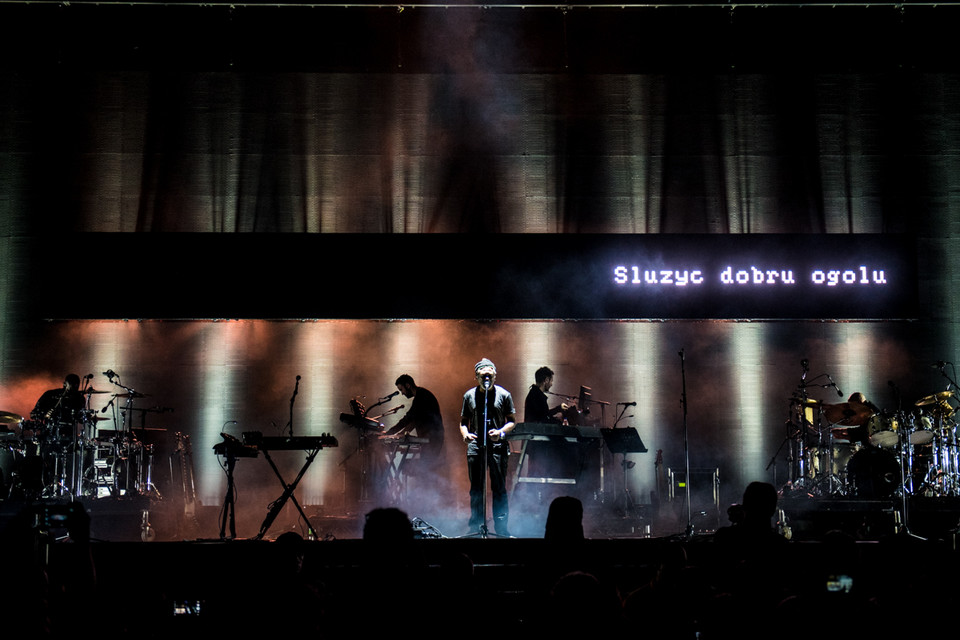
point(901, 516)
point(803, 479)
point(147, 485)
point(798, 469)
point(686, 442)
point(949, 444)
point(835, 486)
point(126, 436)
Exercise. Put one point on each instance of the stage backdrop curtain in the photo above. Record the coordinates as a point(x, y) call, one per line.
point(381, 153)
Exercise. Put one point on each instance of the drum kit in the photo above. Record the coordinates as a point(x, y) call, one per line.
point(854, 449)
point(68, 455)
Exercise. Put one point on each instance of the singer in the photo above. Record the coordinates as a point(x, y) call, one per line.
point(487, 416)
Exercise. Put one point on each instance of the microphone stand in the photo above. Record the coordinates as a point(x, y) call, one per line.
point(278, 504)
point(484, 531)
point(228, 515)
point(125, 435)
point(293, 399)
point(686, 442)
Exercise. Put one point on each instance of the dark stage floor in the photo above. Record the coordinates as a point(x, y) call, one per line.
point(141, 519)
point(848, 571)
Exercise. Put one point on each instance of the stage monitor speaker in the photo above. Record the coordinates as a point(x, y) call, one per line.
point(704, 495)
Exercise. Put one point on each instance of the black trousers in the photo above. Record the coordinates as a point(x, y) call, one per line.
point(497, 459)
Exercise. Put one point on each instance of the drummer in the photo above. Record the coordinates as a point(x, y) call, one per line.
point(62, 405)
point(856, 413)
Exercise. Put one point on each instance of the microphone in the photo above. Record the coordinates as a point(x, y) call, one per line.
point(805, 364)
point(392, 395)
point(110, 374)
point(89, 376)
point(628, 404)
point(486, 381)
point(839, 393)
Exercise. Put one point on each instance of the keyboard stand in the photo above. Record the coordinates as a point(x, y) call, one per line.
point(277, 505)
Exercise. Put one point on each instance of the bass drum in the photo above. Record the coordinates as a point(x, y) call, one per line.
point(843, 452)
point(873, 473)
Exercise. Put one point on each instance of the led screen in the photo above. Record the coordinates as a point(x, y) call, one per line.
point(563, 276)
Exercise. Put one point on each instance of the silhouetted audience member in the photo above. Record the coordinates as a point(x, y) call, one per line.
point(749, 579)
point(564, 571)
point(388, 524)
point(564, 550)
point(391, 591)
point(751, 523)
point(564, 520)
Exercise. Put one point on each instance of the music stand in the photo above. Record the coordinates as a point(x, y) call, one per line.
point(623, 441)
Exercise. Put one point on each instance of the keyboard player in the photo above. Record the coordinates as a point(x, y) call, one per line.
point(536, 408)
point(424, 417)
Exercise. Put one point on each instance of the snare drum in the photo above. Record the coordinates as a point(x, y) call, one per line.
point(883, 431)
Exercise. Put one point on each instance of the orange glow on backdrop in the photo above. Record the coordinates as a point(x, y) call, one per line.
point(206, 377)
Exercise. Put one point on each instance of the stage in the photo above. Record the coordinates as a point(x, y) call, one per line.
point(809, 519)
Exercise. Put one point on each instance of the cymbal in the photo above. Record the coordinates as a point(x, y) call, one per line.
point(936, 398)
point(91, 390)
point(7, 417)
point(135, 394)
point(848, 414)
